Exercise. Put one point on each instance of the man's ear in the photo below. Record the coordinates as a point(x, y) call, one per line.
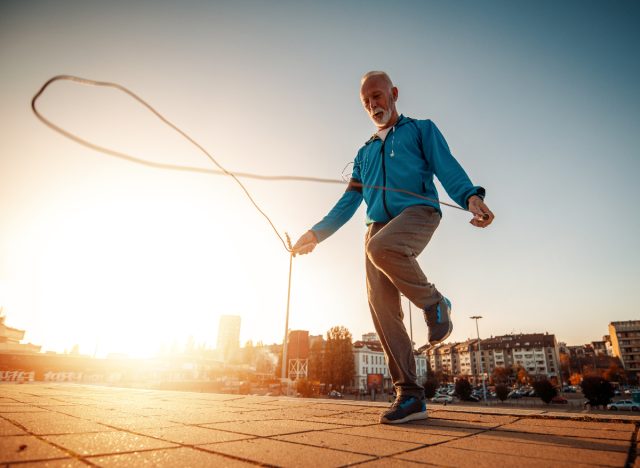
point(394, 92)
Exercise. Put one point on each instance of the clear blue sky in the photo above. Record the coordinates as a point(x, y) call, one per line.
point(538, 100)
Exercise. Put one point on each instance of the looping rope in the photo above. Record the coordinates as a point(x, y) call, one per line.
point(175, 167)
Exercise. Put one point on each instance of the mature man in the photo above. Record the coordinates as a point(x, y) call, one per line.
point(393, 172)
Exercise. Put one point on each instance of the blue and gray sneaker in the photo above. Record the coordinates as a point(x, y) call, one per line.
point(405, 409)
point(438, 318)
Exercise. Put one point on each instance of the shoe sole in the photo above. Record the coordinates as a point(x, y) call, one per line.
point(433, 343)
point(411, 417)
point(425, 347)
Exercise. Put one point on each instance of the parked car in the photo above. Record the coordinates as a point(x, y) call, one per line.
point(559, 400)
point(335, 394)
point(514, 394)
point(442, 399)
point(624, 405)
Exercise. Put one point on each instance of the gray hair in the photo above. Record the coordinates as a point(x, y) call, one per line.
point(373, 73)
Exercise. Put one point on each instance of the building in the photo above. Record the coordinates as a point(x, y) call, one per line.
point(10, 339)
point(298, 354)
point(228, 344)
point(371, 366)
point(537, 353)
point(625, 343)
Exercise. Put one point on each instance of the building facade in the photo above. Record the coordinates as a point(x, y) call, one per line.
point(228, 344)
point(625, 344)
point(371, 366)
point(537, 353)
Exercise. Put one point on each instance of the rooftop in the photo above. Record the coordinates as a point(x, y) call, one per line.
point(75, 425)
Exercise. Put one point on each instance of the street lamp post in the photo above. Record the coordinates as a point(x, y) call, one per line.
point(484, 388)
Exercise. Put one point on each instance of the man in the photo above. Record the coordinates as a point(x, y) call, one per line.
point(393, 172)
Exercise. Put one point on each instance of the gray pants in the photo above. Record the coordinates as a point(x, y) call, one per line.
point(392, 268)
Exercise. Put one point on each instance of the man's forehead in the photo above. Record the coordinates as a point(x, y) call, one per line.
point(374, 83)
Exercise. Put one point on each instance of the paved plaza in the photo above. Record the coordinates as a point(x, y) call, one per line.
point(60, 425)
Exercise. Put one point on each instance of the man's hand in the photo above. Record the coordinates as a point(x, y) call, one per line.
point(305, 244)
point(482, 215)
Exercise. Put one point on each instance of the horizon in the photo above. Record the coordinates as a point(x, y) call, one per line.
point(119, 257)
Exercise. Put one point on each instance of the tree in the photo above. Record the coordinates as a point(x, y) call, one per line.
point(339, 365)
point(502, 392)
point(316, 368)
point(463, 389)
point(249, 353)
point(430, 388)
point(304, 387)
point(597, 390)
point(501, 375)
point(522, 376)
point(545, 390)
point(614, 374)
point(575, 378)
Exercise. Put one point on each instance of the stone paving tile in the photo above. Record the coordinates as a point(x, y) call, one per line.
point(7, 428)
point(25, 448)
point(289, 413)
point(441, 455)
point(577, 424)
point(350, 443)
point(275, 452)
point(100, 443)
point(271, 427)
point(564, 441)
point(343, 407)
point(64, 463)
point(556, 452)
point(393, 462)
point(192, 435)
point(168, 457)
point(423, 435)
point(57, 424)
point(20, 409)
point(200, 418)
point(487, 420)
point(134, 423)
point(593, 432)
point(345, 420)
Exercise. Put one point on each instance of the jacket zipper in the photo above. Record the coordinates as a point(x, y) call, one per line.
point(384, 181)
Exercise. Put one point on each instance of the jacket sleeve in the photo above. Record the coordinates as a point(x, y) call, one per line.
point(344, 209)
point(448, 170)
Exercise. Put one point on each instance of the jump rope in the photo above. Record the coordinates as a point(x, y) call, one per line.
point(286, 241)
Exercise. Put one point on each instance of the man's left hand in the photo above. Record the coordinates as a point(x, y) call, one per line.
point(482, 215)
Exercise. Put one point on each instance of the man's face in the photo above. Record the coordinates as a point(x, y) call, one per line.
point(379, 100)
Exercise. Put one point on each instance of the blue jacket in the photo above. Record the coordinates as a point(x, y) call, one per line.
point(411, 154)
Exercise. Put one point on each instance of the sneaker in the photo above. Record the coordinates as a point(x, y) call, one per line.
point(405, 409)
point(438, 318)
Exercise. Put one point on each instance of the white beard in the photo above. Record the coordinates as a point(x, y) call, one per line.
point(384, 118)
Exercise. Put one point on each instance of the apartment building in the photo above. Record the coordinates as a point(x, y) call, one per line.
point(371, 367)
point(537, 353)
point(625, 343)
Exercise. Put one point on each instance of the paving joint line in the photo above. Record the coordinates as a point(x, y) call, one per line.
point(71, 453)
point(633, 448)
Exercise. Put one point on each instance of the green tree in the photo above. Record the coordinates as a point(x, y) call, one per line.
point(338, 363)
point(463, 389)
point(545, 390)
point(502, 392)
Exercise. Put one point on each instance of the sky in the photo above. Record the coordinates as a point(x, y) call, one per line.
point(538, 101)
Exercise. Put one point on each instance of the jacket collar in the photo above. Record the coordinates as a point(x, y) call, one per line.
point(401, 121)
